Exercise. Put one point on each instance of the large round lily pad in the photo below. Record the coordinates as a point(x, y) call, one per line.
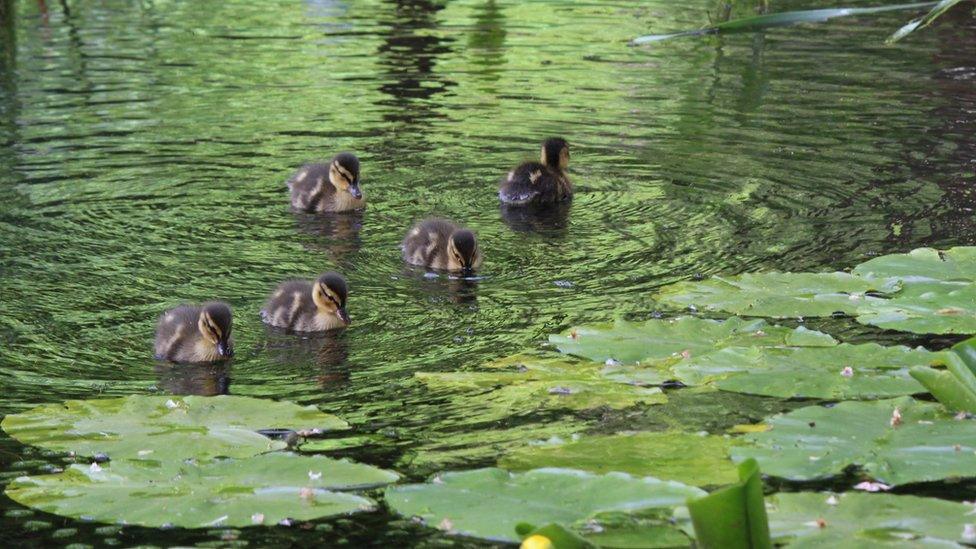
point(524, 383)
point(895, 441)
point(489, 503)
point(954, 264)
point(926, 307)
point(630, 343)
point(698, 460)
point(860, 520)
point(233, 492)
point(164, 428)
point(865, 371)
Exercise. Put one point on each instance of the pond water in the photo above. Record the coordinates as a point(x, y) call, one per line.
point(146, 144)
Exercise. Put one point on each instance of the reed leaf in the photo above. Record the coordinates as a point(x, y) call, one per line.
point(924, 21)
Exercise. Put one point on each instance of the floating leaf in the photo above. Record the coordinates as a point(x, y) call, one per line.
point(524, 383)
point(233, 492)
point(162, 428)
point(489, 503)
point(689, 458)
point(659, 340)
point(925, 308)
point(735, 516)
point(817, 442)
point(875, 371)
point(860, 520)
point(954, 387)
point(782, 19)
point(954, 264)
point(779, 295)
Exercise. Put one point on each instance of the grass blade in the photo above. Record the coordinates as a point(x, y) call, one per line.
point(924, 21)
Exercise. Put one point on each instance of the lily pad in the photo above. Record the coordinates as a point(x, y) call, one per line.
point(866, 371)
point(954, 264)
point(860, 520)
point(925, 308)
point(630, 343)
point(698, 460)
point(489, 503)
point(523, 383)
point(164, 428)
point(780, 295)
point(896, 441)
point(233, 492)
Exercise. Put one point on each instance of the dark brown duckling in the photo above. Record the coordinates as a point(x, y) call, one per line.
point(440, 244)
point(540, 182)
point(195, 334)
point(306, 306)
point(332, 187)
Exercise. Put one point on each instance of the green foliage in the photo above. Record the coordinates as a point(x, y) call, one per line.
point(489, 503)
point(954, 387)
point(894, 441)
point(698, 460)
point(735, 516)
point(924, 21)
point(164, 428)
point(233, 492)
point(550, 536)
point(866, 521)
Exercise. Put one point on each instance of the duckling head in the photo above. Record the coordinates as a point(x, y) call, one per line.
point(215, 325)
point(329, 293)
point(344, 174)
point(555, 153)
point(463, 247)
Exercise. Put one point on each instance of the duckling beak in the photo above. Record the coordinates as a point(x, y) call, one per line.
point(355, 191)
point(467, 270)
point(224, 350)
point(343, 315)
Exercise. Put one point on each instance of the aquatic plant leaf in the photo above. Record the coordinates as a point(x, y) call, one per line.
point(697, 460)
point(782, 19)
point(779, 295)
point(735, 516)
point(162, 428)
point(489, 503)
point(523, 383)
point(865, 371)
point(861, 520)
point(924, 21)
point(263, 489)
point(657, 340)
point(954, 264)
point(919, 443)
point(550, 536)
point(925, 308)
point(954, 387)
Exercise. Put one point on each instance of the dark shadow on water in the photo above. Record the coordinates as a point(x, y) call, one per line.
point(546, 219)
point(193, 379)
point(337, 235)
point(327, 353)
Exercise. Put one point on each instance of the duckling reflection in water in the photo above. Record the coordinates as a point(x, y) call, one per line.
point(306, 306)
point(549, 219)
point(335, 235)
point(541, 182)
point(194, 379)
point(332, 187)
point(195, 334)
point(324, 355)
point(442, 245)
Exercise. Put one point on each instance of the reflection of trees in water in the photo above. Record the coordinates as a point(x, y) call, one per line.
point(326, 352)
point(486, 42)
point(335, 234)
point(194, 379)
point(408, 54)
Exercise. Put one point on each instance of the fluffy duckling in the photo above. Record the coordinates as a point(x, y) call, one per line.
point(306, 306)
point(332, 187)
point(540, 182)
point(440, 244)
point(195, 334)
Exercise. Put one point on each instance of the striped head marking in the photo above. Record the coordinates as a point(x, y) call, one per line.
point(215, 327)
point(329, 294)
point(344, 174)
point(463, 248)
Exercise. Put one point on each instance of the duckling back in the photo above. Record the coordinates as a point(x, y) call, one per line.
point(178, 337)
point(534, 183)
point(426, 244)
point(291, 306)
point(312, 190)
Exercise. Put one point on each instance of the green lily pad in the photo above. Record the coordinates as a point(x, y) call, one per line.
point(780, 295)
point(954, 264)
point(630, 343)
point(164, 428)
point(698, 460)
point(920, 442)
point(523, 383)
point(264, 489)
point(925, 308)
point(874, 371)
point(860, 520)
point(489, 503)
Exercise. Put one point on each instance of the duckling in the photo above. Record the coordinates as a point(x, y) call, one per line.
point(440, 244)
point(540, 182)
point(332, 187)
point(306, 306)
point(195, 334)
